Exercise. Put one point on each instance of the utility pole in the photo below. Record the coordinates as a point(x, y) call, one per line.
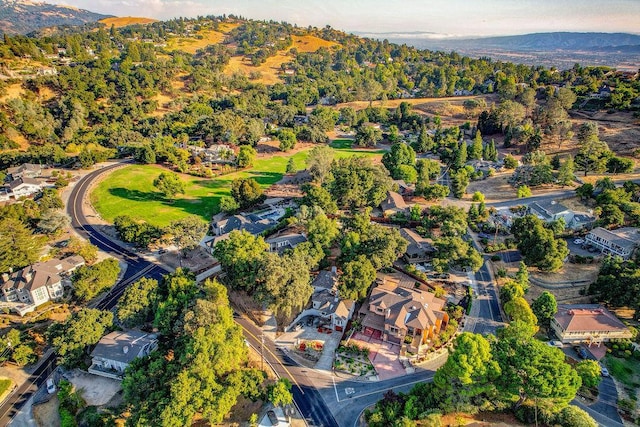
point(262, 352)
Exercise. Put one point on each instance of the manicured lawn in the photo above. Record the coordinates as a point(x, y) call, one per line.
point(130, 190)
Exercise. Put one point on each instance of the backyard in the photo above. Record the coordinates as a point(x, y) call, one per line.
point(130, 190)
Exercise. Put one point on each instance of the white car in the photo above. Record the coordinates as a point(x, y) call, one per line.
point(578, 241)
point(51, 386)
point(555, 344)
point(604, 371)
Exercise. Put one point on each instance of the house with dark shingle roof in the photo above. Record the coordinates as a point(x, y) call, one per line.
point(283, 241)
point(25, 170)
point(393, 204)
point(587, 323)
point(621, 242)
point(419, 249)
point(38, 283)
point(549, 211)
point(402, 315)
point(116, 350)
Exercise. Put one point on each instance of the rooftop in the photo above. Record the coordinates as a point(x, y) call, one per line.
point(123, 346)
point(393, 201)
point(587, 318)
point(626, 237)
point(548, 208)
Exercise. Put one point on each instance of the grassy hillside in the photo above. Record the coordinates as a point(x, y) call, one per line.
point(123, 21)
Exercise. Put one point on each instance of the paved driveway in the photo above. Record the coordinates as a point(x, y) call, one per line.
point(383, 356)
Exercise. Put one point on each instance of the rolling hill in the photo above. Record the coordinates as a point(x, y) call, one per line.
point(23, 16)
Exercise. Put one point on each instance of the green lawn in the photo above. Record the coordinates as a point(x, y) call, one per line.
point(130, 190)
point(626, 371)
point(5, 383)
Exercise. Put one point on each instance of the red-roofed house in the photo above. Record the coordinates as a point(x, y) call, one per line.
point(587, 323)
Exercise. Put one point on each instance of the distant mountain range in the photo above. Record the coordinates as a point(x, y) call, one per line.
point(23, 16)
point(560, 49)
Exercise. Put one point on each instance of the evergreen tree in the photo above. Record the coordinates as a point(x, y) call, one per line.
point(565, 173)
point(489, 152)
point(475, 151)
point(460, 156)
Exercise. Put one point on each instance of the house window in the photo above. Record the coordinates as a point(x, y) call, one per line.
point(410, 331)
point(393, 329)
point(39, 294)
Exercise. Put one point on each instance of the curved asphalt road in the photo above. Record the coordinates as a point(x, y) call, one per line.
point(137, 268)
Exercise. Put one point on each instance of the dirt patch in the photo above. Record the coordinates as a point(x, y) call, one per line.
point(14, 90)
point(488, 419)
point(95, 390)
point(494, 188)
point(46, 414)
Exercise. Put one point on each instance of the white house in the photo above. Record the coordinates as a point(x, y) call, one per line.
point(116, 350)
point(21, 187)
point(41, 282)
point(621, 242)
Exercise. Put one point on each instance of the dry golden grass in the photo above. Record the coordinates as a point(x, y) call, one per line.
point(191, 45)
point(123, 21)
point(14, 90)
point(455, 103)
point(270, 70)
point(310, 43)
point(163, 102)
point(227, 27)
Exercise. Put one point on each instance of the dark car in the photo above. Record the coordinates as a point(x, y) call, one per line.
point(273, 417)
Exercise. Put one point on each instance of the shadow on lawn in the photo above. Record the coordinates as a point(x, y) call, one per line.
point(204, 206)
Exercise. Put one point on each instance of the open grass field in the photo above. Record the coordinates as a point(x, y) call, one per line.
point(126, 20)
point(269, 70)
point(310, 43)
point(130, 190)
point(191, 45)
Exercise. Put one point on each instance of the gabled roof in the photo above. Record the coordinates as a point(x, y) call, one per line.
point(547, 209)
point(41, 274)
point(393, 201)
point(251, 224)
point(23, 181)
point(587, 318)
point(417, 243)
point(294, 239)
point(325, 279)
point(406, 307)
point(24, 168)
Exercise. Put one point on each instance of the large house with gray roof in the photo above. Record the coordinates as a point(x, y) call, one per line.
point(32, 286)
point(419, 249)
point(621, 242)
point(116, 350)
point(282, 241)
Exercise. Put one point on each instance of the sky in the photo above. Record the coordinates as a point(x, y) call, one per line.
point(455, 18)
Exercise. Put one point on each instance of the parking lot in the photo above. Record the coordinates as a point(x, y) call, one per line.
point(580, 248)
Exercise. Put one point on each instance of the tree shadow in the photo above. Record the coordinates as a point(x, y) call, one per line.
point(137, 195)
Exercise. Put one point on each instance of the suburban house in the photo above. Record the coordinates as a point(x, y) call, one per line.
point(419, 249)
point(582, 220)
point(22, 187)
point(621, 242)
point(25, 170)
point(32, 286)
point(403, 188)
point(587, 323)
point(254, 223)
point(325, 280)
point(217, 153)
point(326, 303)
point(403, 315)
point(393, 204)
point(550, 211)
point(116, 350)
point(283, 241)
point(333, 309)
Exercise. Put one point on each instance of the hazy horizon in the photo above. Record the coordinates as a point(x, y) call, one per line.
point(444, 19)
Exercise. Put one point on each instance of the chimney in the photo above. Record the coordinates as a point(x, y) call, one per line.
point(125, 349)
point(5, 277)
point(334, 270)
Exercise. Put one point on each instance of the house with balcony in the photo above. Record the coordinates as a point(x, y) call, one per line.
point(32, 286)
point(621, 242)
point(405, 316)
point(587, 323)
point(116, 350)
point(23, 187)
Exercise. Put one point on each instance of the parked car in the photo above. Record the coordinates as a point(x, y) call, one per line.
point(51, 386)
point(554, 343)
point(273, 417)
point(604, 371)
point(582, 353)
point(578, 241)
